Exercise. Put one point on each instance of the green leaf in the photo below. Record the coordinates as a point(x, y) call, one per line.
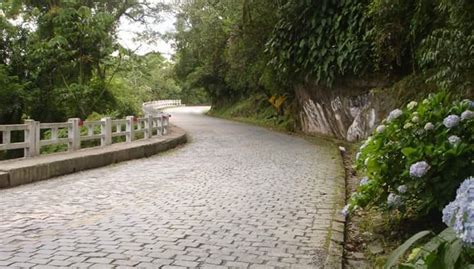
point(453, 251)
point(397, 253)
point(408, 151)
point(84, 12)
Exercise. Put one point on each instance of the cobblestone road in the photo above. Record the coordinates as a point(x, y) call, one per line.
point(236, 196)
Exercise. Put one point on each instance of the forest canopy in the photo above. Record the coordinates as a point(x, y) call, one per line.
point(237, 48)
point(61, 58)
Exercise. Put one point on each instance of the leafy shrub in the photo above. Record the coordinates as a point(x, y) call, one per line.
point(452, 248)
point(444, 250)
point(323, 39)
point(418, 157)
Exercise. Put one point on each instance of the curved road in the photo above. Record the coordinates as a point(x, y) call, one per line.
point(236, 196)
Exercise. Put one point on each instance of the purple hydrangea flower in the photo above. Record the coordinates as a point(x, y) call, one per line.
point(419, 169)
point(459, 214)
point(451, 121)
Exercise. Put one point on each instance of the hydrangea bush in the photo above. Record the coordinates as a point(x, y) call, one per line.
point(459, 214)
point(453, 247)
point(417, 157)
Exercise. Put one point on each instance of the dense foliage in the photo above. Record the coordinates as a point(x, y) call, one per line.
point(220, 47)
point(324, 40)
point(234, 49)
point(61, 59)
point(417, 158)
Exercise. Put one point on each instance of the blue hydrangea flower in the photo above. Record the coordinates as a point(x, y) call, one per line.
point(394, 114)
point(451, 121)
point(419, 169)
point(454, 139)
point(459, 214)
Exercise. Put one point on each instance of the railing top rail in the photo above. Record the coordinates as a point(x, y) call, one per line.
point(13, 127)
point(92, 122)
point(54, 125)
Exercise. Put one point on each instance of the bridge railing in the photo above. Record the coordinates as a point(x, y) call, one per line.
point(75, 131)
point(161, 104)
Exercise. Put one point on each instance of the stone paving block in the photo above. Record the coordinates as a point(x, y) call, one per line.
point(237, 196)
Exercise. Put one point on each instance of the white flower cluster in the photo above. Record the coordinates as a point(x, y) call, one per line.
point(345, 211)
point(407, 125)
point(394, 114)
point(366, 143)
point(394, 200)
point(454, 139)
point(467, 115)
point(380, 129)
point(364, 181)
point(429, 126)
point(459, 214)
point(419, 169)
point(451, 121)
point(412, 105)
point(402, 189)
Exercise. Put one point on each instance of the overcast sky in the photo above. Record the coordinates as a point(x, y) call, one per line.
point(128, 30)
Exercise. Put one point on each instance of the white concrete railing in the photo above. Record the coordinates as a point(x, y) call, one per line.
point(103, 130)
point(153, 106)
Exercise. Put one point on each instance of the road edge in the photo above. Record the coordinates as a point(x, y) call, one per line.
point(29, 170)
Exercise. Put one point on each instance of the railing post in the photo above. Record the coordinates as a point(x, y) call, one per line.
point(130, 128)
point(106, 131)
point(74, 134)
point(38, 138)
point(148, 126)
point(159, 125)
point(165, 123)
point(30, 138)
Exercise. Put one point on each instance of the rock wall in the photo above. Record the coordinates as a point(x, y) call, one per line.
point(348, 111)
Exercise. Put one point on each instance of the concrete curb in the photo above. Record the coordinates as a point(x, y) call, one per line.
point(18, 172)
point(335, 246)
